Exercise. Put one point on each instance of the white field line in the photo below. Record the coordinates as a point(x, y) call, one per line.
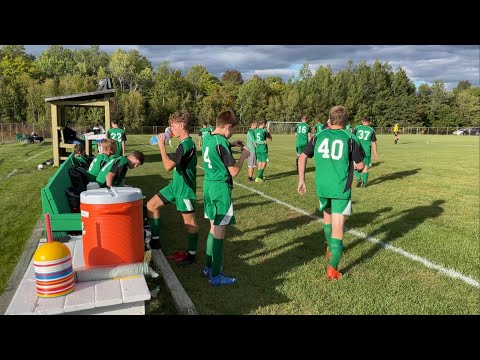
point(8, 175)
point(448, 272)
point(156, 147)
point(34, 156)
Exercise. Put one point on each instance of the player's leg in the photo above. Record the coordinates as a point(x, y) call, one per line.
point(153, 207)
point(261, 161)
point(340, 209)
point(252, 163)
point(325, 206)
point(192, 238)
point(365, 176)
point(224, 216)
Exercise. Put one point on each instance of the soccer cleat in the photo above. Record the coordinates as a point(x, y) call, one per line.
point(333, 274)
point(250, 179)
point(207, 271)
point(359, 183)
point(152, 244)
point(221, 279)
point(258, 180)
point(329, 254)
point(178, 255)
point(187, 261)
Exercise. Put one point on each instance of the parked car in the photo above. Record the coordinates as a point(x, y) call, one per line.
point(467, 131)
point(459, 132)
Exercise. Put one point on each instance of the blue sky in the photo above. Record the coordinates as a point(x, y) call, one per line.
point(423, 63)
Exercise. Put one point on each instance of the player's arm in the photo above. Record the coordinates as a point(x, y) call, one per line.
point(302, 164)
point(268, 136)
point(168, 164)
point(124, 139)
point(358, 154)
point(229, 161)
point(374, 146)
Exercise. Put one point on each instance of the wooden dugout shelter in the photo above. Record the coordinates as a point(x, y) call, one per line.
point(59, 103)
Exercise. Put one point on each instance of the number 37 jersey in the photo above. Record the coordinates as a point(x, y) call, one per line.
point(334, 151)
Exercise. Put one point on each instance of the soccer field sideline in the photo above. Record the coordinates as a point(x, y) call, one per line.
point(452, 273)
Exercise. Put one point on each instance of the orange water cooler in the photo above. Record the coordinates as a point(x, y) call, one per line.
point(112, 226)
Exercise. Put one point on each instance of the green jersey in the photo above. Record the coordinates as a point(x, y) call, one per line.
point(96, 165)
point(318, 128)
point(118, 166)
point(205, 131)
point(185, 172)
point(261, 134)
point(251, 140)
point(118, 135)
point(366, 135)
point(217, 158)
point(80, 161)
point(334, 151)
point(302, 131)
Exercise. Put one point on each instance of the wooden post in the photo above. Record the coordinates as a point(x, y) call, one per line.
point(55, 142)
point(107, 114)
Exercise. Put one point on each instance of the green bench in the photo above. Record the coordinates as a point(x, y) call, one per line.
point(54, 202)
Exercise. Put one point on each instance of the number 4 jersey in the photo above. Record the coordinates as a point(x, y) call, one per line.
point(334, 151)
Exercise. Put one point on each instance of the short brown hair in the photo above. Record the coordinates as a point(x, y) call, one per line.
point(138, 155)
point(182, 117)
point(78, 149)
point(338, 115)
point(226, 117)
point(261, 121)
point(366, 119)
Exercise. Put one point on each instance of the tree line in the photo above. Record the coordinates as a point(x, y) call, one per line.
point(144, 96)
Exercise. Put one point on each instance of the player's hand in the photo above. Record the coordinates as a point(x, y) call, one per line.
point(245, 152)
point(161, 138)
point(302, 188)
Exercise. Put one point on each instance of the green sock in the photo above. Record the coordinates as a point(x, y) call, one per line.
point(365, 178)
point(209, 250)
point(260, 174)
point(217, 256)
point(327, 231)
point(336, 247)
point(357, 175)
point(154, 226)
point(192, 243)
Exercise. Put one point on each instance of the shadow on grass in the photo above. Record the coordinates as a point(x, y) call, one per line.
point(289, 173)
point(407, 221)
point(393, 176)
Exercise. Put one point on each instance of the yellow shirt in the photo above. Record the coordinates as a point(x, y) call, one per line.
point(395, 128)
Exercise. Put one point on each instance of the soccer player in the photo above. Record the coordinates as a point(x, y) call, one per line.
point(109, 148)
point(262, 137)
point(318, 128)
point(251, 145)
point(220, 168)
point(117, 134)
point(181, 191)
point(114, 171)
point(368, 140)
point(348, 127)
point(334, 151)
point(302, 136)
point(79, 157)
point(204, 131)
point(395, 132)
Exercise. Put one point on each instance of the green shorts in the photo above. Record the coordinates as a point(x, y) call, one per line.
point(262, 157)
point(184, 199)
point(338, 206)
point(299, 148)
point(217, 200)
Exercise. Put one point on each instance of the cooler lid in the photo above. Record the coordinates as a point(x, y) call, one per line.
point(114, 195)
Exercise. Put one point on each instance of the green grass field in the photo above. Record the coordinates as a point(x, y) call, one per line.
point(412, 245)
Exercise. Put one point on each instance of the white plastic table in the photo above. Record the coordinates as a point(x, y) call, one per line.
point(125, 296)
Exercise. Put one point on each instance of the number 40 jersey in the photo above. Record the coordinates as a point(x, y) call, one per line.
point(334, 151)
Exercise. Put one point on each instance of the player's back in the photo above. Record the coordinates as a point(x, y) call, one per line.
point(333, 166)
point(302, 131)
point(212, 147)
